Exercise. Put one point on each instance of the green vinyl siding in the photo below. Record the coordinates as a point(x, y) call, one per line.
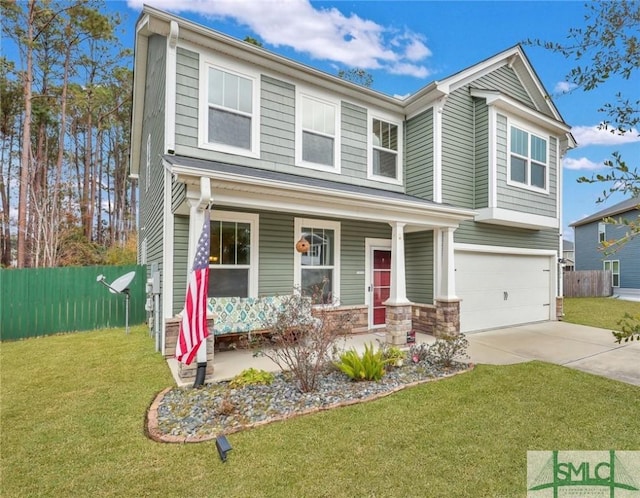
point(180, 263)
point(419, 155)
point(152, 198)
point(418, 251)
point(187, 91)
point(353, 257)
point(353, 141)
point(506, 80)
point(277, 118)
point(520, 199)
point(178, 194)
point(470, 232)
point(276, 254)
point(458, 183)
point(481, 131)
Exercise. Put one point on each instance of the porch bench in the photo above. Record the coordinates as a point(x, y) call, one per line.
point(244, 316)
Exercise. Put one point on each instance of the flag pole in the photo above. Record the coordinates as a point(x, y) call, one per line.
point(193, 333)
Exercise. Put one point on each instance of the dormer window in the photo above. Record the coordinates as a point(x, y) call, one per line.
point(528, 159)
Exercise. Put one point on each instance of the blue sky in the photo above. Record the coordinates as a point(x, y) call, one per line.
point(407, 44)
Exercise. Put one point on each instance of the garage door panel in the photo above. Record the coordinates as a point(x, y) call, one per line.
point(499, 290)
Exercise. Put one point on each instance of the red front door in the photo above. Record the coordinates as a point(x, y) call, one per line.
point(381, 284)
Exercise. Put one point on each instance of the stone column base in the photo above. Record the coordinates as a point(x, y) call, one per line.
point(447, 318)
point(188, 372)
point(559, 307)
point(398, 323)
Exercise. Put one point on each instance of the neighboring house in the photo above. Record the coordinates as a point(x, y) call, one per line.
point(622, 259)
point(568, 255)
point(440, 212)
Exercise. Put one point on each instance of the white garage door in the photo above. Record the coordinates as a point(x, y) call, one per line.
point(499, 290)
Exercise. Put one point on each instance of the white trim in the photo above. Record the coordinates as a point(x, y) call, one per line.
point(516, 108)
point(254, 259)
point(369, 245)
point(523, 251)
point(298, 223)
point(147, 180)
point(531, 131)
point(324, 98)
point(386, 118)
point(493, 157)
point(509, 217)
point(167, 258)
point(438, 109)
point(217, 61)
point(170, 90)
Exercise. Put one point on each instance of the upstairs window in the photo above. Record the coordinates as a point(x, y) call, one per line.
point(317, 142)
point(229, 119)
point(384, 150)
point(528, 161)
point(230, 109)
point(602, 232)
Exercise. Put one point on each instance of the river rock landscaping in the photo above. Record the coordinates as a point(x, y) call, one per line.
point(192, 415)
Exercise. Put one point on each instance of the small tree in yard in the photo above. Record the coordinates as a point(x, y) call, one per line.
point(303, 344)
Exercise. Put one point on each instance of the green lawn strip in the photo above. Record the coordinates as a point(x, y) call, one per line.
point(72, 425)
point(599, 312)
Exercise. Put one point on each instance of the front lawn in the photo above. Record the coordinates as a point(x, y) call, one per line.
point(73, 406)
point(599, 312)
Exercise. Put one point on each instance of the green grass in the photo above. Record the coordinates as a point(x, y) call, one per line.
point(73, 406)
point(599, 312)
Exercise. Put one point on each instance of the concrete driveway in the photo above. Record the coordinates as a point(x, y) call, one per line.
point(588, 349)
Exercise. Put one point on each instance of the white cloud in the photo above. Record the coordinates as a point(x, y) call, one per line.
point(564, 87)
point(322, 33)
point(581, 163)
point(592, 135)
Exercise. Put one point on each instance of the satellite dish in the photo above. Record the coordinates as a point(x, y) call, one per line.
point(120, 286)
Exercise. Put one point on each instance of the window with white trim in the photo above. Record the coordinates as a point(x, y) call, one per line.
point(602, 232)
point(528, 163)
point(317, 133)
point(385, 140)
point(229, 119)
point(317, 272)
point(233, 254)
point(614, 267)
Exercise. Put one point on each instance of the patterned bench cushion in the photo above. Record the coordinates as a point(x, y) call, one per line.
point(237, 315)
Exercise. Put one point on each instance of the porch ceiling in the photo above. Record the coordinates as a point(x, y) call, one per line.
point(251, 188)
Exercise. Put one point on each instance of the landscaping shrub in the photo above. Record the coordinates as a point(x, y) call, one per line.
point(630, 328)
point(302, 344)
point(369, 366)
point(250, 377)
point(443, 353)
point(393, 356)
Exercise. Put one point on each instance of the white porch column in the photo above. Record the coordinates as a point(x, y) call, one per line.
point(198, 200)
point(445, 265)
point(398, 291)
point(398, 307)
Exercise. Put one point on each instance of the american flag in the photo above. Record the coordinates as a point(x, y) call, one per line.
point(193, 327)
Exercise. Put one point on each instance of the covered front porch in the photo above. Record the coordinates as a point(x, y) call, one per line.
point(230, 363)
point(385, 253)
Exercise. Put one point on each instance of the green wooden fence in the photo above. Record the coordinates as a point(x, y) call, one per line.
point(43, 301)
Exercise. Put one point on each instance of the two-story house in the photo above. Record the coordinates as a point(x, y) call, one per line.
point(440, 212)
point(623, 260)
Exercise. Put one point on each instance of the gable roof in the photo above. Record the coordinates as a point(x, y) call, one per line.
point(620, 208)
point(155, 21)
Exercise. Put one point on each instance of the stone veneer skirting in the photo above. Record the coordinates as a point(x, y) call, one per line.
point(559, 307)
